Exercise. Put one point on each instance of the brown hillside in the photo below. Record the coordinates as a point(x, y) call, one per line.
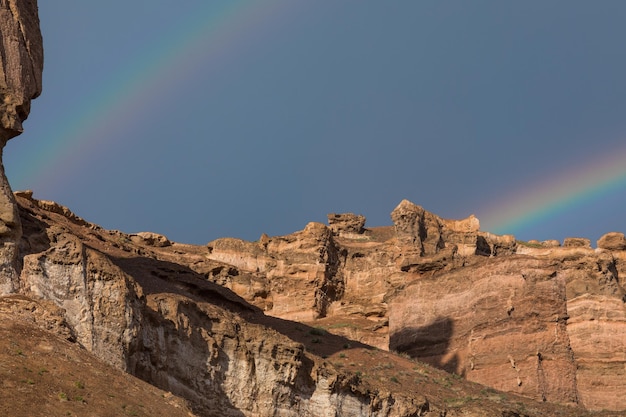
point(45, 375)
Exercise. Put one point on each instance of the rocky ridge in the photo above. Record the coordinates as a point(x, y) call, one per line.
point(297, 325)
point(154, 308)
point(538, 319)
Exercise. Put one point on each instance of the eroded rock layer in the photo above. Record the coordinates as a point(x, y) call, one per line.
point(153, 308)
point(520, 317)
point(290, 325)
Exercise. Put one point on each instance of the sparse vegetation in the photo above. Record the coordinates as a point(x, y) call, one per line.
point(317, 331)
point(385, 365)
point(342, 325)
point(458, 402)
point(445, 382)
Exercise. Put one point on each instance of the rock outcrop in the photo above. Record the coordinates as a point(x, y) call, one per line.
point(613, 241)
point(154, 311)
point(21, 63)
point(21, 66)
point(535, 325)
point(512, 315)
point(304, 324)
point(346, 223)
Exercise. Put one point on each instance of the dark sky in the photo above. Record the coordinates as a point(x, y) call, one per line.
point(204, 119)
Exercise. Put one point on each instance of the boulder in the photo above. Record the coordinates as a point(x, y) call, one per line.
point(151, 239)
point(346, 223)
point(612, 241)
point(576, 242)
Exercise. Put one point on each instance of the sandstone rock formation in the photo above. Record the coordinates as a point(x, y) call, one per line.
point(346, 223)
point(524, 324)
point(577, 242)
point(304, 324)
point(511, 315)
point(153, 311)
point(613, 241)
point(21, 66)
point(21, 63)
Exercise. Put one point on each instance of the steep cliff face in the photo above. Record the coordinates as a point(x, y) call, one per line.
point(549, 326)
point(166, 324)
point(538, 319)
point(285, 326)
point(139, 303)
point(545, 322)
point(21, 66)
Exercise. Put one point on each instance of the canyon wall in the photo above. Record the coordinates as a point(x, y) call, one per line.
point(168, 325)
point(540, 319)
point(266, 328)
point(144, 305)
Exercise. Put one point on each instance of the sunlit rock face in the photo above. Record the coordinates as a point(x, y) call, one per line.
point(550, 324)
point(21, 66)
point(541, 320)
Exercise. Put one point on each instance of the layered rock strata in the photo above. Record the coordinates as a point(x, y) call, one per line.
point(540, 320)
point(551, 326)
point(144, 307)
point(517, 316)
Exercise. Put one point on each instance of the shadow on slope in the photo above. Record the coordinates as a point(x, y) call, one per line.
point(157, 276)
point(428, 343)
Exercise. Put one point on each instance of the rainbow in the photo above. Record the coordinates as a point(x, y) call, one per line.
point(520, 209)
point(214, 34)
point(210, 34)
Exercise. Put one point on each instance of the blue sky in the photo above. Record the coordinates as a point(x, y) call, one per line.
point(283, 111)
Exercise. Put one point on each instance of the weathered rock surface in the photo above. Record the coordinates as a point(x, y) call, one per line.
point(214, 324)
point(346, 223)
point(577, 242)
point(147, 309)
point(21, 66)
point(612, 241)
point(551, 326)
point(511, 315)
